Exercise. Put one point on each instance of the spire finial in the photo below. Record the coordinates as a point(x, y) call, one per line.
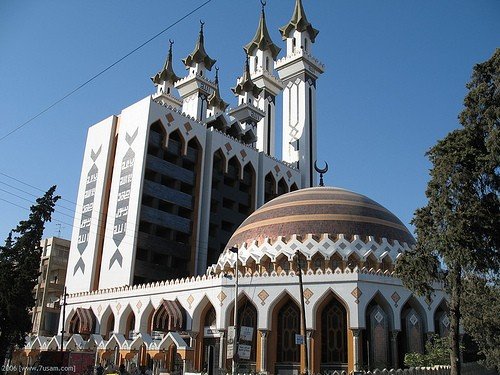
point(263, 3)
point(201, 26)
point(320, 171)
point(216, 75)
point(171, 42)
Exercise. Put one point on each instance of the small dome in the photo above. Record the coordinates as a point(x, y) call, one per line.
point(317, 211)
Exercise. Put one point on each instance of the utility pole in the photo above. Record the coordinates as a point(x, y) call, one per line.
point(303, 312)
point(235, 340)
point(62, 328)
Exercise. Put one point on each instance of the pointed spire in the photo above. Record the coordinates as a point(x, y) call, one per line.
point(299, 22)
point(246, 84)
point(199, 54)
point(214, 100)
point(262, 40)
point(167, 73)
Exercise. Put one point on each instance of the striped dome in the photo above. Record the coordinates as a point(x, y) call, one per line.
point(320, 210)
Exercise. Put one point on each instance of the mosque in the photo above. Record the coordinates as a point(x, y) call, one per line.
point(181, 199)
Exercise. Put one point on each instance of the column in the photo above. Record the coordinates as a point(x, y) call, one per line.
point(263, 350)
point(356, 334)
point(394, 347)
point(222, 348)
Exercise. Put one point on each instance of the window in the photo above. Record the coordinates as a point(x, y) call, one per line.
point(334, 333)
point(288, 327)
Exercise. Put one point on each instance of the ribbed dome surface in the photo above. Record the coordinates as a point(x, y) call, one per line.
point(320, 210)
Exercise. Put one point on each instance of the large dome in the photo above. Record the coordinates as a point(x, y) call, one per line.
point(321, 210)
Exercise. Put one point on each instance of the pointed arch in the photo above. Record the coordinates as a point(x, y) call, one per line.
point(145, 318)
point(83, 321)
point(270, 187)
point(379, 322)
point(126, 322)
point(441, 319)
point(248, 317)
point(331, 315)
point(413, 327)
point(285, 302)
point(176, 143)
point(107, 323)
point(169, 316)
point(282, 186)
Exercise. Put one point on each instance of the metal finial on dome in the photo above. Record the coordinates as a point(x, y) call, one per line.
point(263, 3)
point(320, 171)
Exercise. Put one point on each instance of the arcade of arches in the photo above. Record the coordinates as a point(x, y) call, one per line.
point(333, 345)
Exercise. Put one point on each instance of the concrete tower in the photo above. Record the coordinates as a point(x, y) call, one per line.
point(263, 53)
point(215, 103)
point(299, 71)
point(164, 81)
point(195, 88)
point(247, 113)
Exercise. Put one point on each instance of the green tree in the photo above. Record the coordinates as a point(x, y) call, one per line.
point(458, 231)
point(481, 316)
point(437, 352)
point(19, 271)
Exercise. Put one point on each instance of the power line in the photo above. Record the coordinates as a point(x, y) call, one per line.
point(102, 72)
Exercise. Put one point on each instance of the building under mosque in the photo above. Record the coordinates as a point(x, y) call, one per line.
point(176, 183)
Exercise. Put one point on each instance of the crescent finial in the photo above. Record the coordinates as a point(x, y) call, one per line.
point(320, 171)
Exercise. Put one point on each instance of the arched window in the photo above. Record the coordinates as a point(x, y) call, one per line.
point(256, 63)
point(334, 334)
point(247, 317)
point(267, 63)
point(288, 327)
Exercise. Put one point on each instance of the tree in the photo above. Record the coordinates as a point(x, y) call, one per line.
point(481, 315)
point(19, 271)
point(458, 231)
point(437, 353)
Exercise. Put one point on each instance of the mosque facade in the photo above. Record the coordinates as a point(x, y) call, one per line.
point(179, 196)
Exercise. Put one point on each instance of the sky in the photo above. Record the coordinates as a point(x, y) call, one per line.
point(393, 86)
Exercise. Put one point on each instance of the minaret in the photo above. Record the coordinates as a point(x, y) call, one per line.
point(196, 87)
point(246, 112)
point(299, 71)
point(164, 81)
point(215, 103)
point(263, 53)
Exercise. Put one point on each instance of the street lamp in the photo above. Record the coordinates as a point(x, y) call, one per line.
point(303, 312)
point(235, 340)
point(62, 327)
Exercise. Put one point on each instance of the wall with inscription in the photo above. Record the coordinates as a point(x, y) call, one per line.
point(125, 195)
point(89, 220)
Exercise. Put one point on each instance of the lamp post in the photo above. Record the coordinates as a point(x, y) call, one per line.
point(62, 327)
point(303, 312)
point(235, 339)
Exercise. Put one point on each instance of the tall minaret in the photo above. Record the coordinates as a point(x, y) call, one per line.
point(164, 81)
point(215, 103)
point(263, 52)
point(299, 71)
point(196, 87)
point(247, 113)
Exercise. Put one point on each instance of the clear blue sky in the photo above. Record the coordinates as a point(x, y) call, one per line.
point(394, 83)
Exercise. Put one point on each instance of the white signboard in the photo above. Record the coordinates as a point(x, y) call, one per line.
point(210, 332)
point(230, 342)
point(230, 350)
point(246, 333)
point(244, 351)
point(299, 339)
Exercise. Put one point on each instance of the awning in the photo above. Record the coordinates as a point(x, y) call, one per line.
point(168, 316)
point(87, 321)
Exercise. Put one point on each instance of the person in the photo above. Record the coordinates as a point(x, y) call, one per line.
point(122, 370)
point(99, 370)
